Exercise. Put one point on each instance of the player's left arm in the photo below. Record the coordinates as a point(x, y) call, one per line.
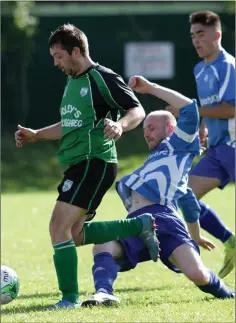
point(226, 109)
point(194, 230)
point(222, 111)
point(123, 99)
point(190, 208)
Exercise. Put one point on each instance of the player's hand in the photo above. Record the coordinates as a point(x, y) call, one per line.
point(205, 243)
point(23, 135)
point(113, 130)
point(173, 110)
point(140, 84)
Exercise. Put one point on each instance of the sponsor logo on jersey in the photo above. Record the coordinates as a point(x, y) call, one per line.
point(73, 120)
point(70, 109)
point(210, 99)
point(158, 153)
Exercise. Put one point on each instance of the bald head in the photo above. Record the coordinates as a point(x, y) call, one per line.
point(164, 116)
point(157, 126)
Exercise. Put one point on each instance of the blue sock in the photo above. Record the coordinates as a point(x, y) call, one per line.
point(104, 272)
point(216, 287)
point(211, 222)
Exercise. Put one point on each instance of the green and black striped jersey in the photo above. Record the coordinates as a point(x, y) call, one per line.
point(96, 94)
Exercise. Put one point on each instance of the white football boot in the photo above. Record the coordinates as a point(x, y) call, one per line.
point(101, 298)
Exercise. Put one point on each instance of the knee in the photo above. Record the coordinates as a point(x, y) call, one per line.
point(78, 238)
point(98, 248)
point(199, 276)
point(56, 227)
point(112, 247)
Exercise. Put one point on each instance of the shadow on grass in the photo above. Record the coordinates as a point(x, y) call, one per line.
point(40, 295)
point(149, 302)
point(53, 299)
point(142, 289)
point(22, 309)
point(36, 308)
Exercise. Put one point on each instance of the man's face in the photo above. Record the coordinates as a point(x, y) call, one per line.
point(204, 39)
point(154, 129)
point(63, 60)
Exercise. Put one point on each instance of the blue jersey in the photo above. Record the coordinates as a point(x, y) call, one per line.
point(215, 84)
point(163, 177)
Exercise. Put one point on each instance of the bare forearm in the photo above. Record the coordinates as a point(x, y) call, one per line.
point(52, 132)
point(202, 125)
point(194, 230)
point(173, 98)
point(132, 119)
point(223, 111)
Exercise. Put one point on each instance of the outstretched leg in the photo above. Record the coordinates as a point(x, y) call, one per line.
point(189, 262)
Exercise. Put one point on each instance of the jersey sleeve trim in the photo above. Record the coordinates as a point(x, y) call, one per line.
point(104, 89)
point(197, 76)
point(185, 136)
point(226, 82)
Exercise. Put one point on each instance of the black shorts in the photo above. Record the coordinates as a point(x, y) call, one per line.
point(84, 184)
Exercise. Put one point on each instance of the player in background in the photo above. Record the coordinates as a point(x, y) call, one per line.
point(87, 131)
point(215, 79)
point(155, 187)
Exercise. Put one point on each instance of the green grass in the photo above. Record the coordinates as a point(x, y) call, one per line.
point(150, 293)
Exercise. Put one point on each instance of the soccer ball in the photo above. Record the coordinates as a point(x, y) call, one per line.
point(10, 285)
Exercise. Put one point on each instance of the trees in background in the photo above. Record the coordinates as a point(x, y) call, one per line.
point(18, 30)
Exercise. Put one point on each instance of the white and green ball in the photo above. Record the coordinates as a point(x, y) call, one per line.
point(10, 285)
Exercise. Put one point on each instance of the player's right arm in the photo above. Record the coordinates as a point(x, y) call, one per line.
point(185, 136)
point(23, 135)
point(175, 99)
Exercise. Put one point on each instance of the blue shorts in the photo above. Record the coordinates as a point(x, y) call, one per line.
point(218, 162)
point(171, 233)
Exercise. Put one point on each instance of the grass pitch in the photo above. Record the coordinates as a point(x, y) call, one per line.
point(150, 293)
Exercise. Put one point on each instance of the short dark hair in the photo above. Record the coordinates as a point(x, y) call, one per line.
point(69, 36)
point(206, 18)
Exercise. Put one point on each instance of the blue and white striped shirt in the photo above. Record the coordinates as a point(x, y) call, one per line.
point(215, 84)
point(164, 176)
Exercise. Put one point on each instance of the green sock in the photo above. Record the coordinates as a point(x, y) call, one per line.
point(66, 264)
point(101, 232)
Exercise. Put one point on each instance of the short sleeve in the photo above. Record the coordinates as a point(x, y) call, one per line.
point(227, 82)
point(185, 137)
point(189, 206)
point(116, 93)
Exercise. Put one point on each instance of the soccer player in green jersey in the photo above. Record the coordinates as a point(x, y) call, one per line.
point(88, 129)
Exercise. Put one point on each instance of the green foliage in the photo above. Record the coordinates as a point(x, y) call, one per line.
point(19, 27)
point(229, 7)
point(22, 18)
point(18, 30)
point(149, 293)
